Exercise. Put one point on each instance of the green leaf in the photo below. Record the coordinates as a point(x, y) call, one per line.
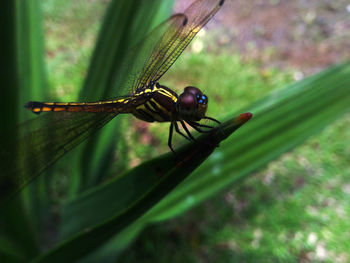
point(25, 76)
point(31, 53)
point(158, 177)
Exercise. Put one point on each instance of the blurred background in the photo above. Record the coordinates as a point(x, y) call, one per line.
point(294, 210)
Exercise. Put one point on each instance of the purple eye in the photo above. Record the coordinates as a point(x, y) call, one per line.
point(193, 90)
point(187, 101)
point(192, 104)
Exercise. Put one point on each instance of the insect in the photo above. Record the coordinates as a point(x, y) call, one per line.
point(150, 101)
point(73, 122)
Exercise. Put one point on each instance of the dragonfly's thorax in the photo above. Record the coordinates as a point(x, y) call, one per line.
point(192, 104)
point(161, 105)
point(165, 105)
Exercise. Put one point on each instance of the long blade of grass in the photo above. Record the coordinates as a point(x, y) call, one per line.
point(25, 72)
point(160, 176)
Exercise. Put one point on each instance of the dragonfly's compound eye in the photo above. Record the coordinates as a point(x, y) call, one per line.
point(192, 104)
point(202, 99)
point(195, 91)
point(187, 101)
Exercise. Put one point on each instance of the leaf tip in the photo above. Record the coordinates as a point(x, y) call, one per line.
point(244, 117)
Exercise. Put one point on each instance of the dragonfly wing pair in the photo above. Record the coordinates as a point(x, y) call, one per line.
point(45, 139)
point(174, 35)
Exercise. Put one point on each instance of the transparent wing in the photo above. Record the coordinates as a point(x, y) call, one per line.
point(153, 56)
point(141, 58)
point(180, 30)
point(40, 142)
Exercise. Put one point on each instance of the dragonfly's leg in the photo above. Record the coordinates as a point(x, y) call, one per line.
point(194, 126)
point(203, 125)
point(171, 137)
point(212, 119)
point(187, 131)
point(192, 123)
point(218, 122)
point(179, 132)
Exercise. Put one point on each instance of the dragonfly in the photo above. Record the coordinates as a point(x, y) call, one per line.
point(148, 100)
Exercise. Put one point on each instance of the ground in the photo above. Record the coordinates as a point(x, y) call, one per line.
point(306, 35)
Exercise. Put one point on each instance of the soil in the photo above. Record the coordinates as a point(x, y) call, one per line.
point(305, 35)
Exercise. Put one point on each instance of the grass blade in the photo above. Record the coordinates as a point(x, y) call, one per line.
point(163, 173)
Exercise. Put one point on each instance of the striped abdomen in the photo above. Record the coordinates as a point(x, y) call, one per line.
point(114, 106)
point(156, 103)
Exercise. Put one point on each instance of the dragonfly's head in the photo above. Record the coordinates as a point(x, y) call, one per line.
point(192, 104)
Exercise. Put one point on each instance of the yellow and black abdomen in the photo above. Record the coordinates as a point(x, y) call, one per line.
point(154, 104)
point(112, 106)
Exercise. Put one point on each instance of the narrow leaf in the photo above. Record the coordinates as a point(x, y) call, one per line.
point(164, 173)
